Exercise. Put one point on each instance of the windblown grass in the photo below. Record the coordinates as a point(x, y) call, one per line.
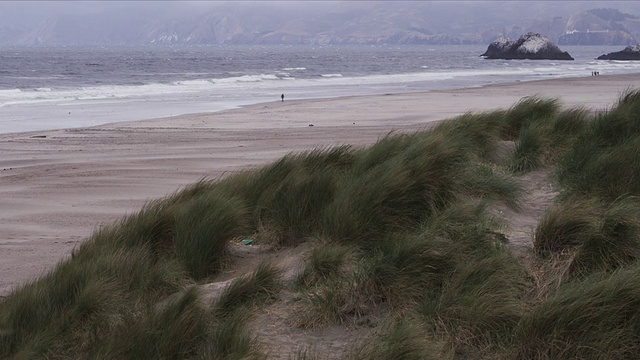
point(336, 301)
point(327, 261)
point(600, 237)
point(260, 285)
point(527, 154)
point(177, 330)
point(481, 303)
point(203, 228)
point(63, 311)
point(231, 339)
point(400, 339)
point(477, 133)
point(406, 237)
point(605, 159)
point(528, 112)
point(592, 319)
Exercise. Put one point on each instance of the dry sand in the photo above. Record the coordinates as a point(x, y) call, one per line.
point(56, 187)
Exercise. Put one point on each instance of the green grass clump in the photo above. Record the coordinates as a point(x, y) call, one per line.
point(70, 309)
point(566, 225)
point(260, 285)
point(231, 339)
point(599, 237)
point(527, 154)
point(477, 133)
point(482, 302)
point(486, 183)
point(608, 172)
point(176, 331)
point(401, 340)
point(404, 268)
point(341, 300)
point(617, 242)
point(605, 158)
point(528, 112)
point(397, 192)
point(326, 262)
point(203, 229)
point(592, 319)
point(293, 207)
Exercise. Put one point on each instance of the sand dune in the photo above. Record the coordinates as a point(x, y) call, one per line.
point(56, 187)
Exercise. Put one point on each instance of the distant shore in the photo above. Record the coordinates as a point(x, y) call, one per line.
point(59, 185)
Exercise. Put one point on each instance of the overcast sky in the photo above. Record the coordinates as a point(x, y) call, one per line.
point(25, 14)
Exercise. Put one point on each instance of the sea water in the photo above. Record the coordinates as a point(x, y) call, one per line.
point(67, 87)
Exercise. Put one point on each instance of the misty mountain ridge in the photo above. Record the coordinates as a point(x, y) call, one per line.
point(344, 23)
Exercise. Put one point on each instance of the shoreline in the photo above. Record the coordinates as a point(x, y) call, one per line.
point(573, 91)
point(58, 188)
point(240, 107)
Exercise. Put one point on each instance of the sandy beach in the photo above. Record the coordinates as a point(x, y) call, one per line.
point(58, 186)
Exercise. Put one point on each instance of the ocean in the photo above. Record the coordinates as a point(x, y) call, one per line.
point(68, 87)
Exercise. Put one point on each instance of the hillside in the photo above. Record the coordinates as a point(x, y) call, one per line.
point(567, 23)
point(601, 27)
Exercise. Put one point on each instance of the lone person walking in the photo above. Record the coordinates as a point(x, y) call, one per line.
point(282, 97)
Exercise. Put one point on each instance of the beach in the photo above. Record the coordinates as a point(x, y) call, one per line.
point(58, 186)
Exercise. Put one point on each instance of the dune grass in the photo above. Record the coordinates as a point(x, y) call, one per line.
point(257, 287)
point(202, 230)
point(327, 261)
point(401, 339)
point(592, 319)
point(408, 237)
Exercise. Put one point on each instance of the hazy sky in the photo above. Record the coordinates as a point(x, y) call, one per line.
point(24, 15)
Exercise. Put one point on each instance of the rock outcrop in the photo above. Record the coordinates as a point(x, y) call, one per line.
point(628, 53)
point(532, 46)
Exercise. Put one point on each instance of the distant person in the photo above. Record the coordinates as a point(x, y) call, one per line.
point(282, 97)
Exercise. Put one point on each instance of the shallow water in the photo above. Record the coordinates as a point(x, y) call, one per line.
point(49, 88)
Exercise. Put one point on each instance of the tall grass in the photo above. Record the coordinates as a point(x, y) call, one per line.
point(260, 285)
point(406, 237)
point(489, 184)
point(600, 237)
point(477, 133)
point(527, 154)
point(327, 261)
point(527, 112)
point(566, 225)
point(592, 319)
point(482, 301)
point(231, 339)
point(605, 158)
point(69, 309)
point(176, 331)
point(340, 300)
point(399, 340)
point(203, 228)
point(403, 190)
point(293, 207)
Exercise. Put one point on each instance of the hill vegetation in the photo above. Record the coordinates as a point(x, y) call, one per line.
point(405, 238)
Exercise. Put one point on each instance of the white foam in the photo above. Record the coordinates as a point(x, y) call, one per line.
point(49, 107)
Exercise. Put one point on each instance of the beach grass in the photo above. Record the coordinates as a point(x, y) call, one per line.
point(252, 289)
point(406, 236)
